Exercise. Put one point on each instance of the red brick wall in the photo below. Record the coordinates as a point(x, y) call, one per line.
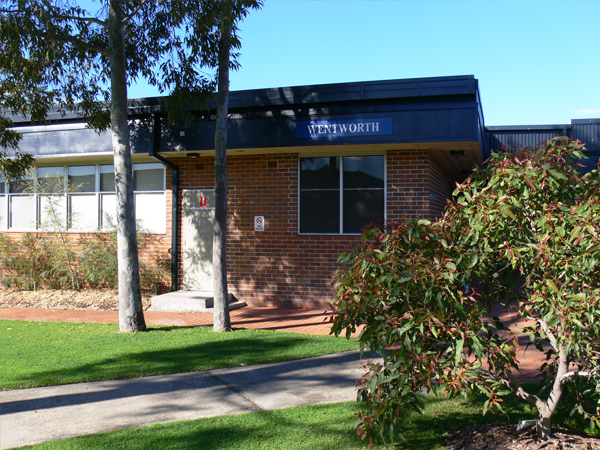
point(278, 266)
point(442, 185)
point(408, 184)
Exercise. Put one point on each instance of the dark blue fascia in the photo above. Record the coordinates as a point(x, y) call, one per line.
point(444, 109)
point(75, 140)
point(441, 109)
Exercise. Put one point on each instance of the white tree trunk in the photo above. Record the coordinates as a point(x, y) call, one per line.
point(546, 409)
point(221, 321)
point(131, 315)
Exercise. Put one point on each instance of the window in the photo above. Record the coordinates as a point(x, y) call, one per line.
point(107, 178)
point(88, 204)
point(82, 178)
point(148, 177)
point(21, 212)
point(148, 186)
point(341, 194)
point(83, 204)
point(52, 204)
point(3, 210)
point(108, 198)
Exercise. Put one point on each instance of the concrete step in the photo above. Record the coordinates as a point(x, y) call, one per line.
point(190, 301)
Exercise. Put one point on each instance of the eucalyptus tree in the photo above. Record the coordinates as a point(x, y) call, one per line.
point(526, 228)
point(60, 55)
point(230, 12)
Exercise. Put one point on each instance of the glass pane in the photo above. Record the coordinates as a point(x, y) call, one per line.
point(53, 212)
point(22, 212)
point(148, 177)
point(51, 179)
point(83, 212)
point(107, 178)
point(3, 213)
point(2, 186)
point(150, 212)
point(82, 179)
point(362, 208)
point(363, 172)
point(109, 211)
point(21, 186)
point(320, 173)
point(320, 211)
point(51, 172)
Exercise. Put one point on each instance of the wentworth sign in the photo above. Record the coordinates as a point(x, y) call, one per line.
point(339, 128)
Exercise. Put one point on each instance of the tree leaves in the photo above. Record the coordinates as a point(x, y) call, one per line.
point(526, 227)
point(54, 56)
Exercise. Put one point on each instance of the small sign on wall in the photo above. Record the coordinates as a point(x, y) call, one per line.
point(203, 202)
point(259, 223)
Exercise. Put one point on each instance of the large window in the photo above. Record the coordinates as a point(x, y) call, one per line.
point(81, 198)
point(341, 194)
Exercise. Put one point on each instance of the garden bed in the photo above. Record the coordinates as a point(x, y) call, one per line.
point(504, 436)
point(93, 299)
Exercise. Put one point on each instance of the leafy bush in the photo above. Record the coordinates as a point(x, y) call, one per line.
point(98, 262)
point(31, 263)
point(529, 213)
point(38, 261)
point(56, 259)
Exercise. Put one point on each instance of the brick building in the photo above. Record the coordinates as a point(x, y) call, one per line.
point(308, 168)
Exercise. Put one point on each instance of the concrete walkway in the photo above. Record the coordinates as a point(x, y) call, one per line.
point(32, 416)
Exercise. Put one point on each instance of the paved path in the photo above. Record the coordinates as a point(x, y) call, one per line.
point(32, 416)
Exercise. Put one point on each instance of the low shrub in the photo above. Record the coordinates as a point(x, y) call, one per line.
point(40, 261)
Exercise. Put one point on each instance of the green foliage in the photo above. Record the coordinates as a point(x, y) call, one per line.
point(528, 213)
point(98, 261)
point(39, 261)
point(55, 54)
point(28, 263)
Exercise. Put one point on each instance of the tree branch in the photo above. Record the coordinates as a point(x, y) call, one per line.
point(575, 373)
point(75, 41)
point(512, 384)
point(95, 20)
point(128, 17)
point(551, 336)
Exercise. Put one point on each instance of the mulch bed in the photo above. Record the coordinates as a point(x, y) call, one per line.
point(97, 300)
point(504, 436)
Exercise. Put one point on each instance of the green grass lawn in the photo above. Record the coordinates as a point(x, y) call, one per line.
point(323, 427)
point(46, 353)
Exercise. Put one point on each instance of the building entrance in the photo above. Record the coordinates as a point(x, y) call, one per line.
point(198, 230)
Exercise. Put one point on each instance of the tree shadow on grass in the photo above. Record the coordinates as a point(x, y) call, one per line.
point(326, 427)
point(131, 360)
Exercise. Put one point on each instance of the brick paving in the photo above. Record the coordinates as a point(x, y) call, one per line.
point(293, 320)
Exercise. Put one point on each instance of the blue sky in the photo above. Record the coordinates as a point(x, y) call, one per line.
point(537, 62)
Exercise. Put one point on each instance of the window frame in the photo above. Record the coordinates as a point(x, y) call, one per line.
point(341, 156)
point(37, 196)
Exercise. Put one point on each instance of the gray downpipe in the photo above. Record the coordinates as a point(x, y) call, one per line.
point(174, 202)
